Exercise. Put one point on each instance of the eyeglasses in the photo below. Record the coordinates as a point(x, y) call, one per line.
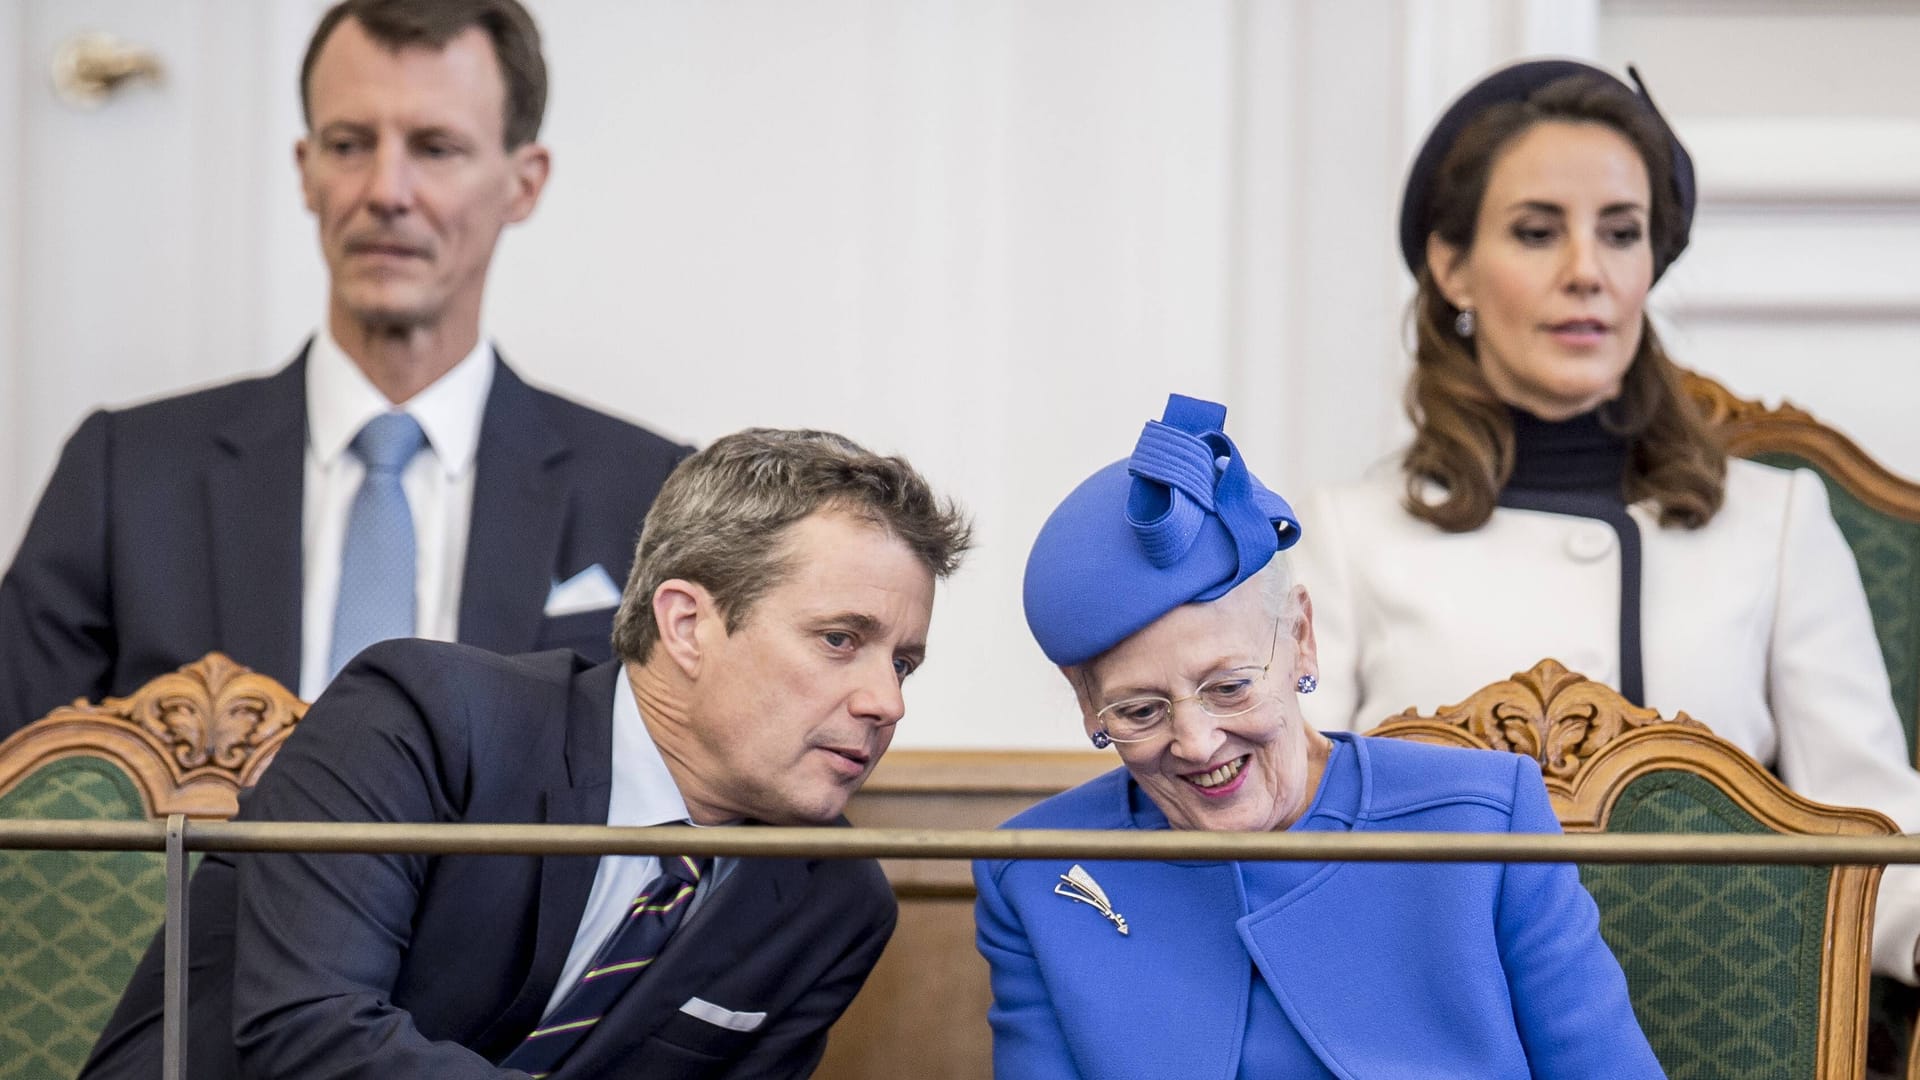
point(1138, 719)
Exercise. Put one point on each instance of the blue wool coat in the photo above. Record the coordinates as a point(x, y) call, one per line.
point(1387, 970)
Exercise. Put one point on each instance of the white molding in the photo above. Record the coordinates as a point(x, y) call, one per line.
point(1791, 159)
point(1758, 307)
point(1560, 27)
point(1821, 263)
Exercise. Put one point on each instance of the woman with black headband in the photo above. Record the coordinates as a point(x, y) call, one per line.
point(1561, 496)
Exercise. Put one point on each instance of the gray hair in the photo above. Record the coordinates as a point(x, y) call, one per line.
point(721, 518)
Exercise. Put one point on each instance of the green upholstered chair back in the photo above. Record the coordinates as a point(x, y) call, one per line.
point(1749, 971)
point(1723, 962)
point(1878, 513)
point(76, 923)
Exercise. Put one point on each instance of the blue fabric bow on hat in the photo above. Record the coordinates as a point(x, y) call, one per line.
point(1181, 521)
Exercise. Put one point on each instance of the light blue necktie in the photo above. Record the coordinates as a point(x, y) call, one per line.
point(377, 559)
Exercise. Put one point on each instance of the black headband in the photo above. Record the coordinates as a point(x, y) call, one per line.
point(1516, 84)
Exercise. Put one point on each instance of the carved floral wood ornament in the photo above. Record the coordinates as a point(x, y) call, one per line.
point(1557, 717)
point(1751, 427)
point(212, 710)
point(191, 739)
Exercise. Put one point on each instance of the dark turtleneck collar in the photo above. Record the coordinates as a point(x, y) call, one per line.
point(1577, 467)
point(1577, 454)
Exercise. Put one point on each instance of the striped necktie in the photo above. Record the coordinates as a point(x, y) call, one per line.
point(628, 952)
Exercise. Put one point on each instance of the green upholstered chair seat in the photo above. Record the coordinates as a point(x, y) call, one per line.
point(76, 922)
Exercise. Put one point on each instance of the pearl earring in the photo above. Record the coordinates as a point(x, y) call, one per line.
point(1463, 323)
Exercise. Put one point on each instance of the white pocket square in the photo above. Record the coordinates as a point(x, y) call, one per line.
point(726, 1018)
point(589, 590)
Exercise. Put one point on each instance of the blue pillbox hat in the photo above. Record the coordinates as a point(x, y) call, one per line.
point(1181, 521)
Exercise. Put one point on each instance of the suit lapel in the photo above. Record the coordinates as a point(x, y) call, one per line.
point(581, 798)
point(254, 526)
point(714, 940)
point(520, 492)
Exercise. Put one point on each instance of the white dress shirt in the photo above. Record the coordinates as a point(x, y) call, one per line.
point(438, 483)
point(643, 794)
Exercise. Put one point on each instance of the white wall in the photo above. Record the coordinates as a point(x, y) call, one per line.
point(989, 234)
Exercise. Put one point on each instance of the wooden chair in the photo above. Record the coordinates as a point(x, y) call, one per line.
point(77, 922)
point(1878, 512)
point(1750, 971)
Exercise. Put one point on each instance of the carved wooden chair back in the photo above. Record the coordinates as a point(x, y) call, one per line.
point(77, 922)
point(1751, 971)
point(1878, 512)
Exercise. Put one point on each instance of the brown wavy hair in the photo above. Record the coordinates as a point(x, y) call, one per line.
point(1463, 434)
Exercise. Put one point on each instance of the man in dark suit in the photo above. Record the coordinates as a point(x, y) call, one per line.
point(233, 518)
point(780, 597)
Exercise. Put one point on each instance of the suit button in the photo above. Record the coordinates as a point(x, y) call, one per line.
point(1590, 542)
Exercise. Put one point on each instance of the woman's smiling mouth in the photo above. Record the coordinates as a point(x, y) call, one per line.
point(1223, 780)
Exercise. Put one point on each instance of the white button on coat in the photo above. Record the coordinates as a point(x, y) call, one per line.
point(1590, 541)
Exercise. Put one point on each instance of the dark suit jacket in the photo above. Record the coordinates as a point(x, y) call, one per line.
point(413, 966)
point(174, 528)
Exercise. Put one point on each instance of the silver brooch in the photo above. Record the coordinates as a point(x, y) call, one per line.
point(1078, 885)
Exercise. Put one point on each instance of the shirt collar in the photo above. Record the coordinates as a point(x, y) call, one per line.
point(643, 790)
point(341, 399)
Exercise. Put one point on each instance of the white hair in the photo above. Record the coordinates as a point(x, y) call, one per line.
point(1274, 582)
point(1276, 591)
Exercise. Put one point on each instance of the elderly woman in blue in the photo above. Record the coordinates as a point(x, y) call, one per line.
point(1158, 588)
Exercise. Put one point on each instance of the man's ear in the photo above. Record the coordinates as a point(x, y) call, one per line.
point(681, 610)
point(300, 150)
point(532, 164)
point(1448, 266)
